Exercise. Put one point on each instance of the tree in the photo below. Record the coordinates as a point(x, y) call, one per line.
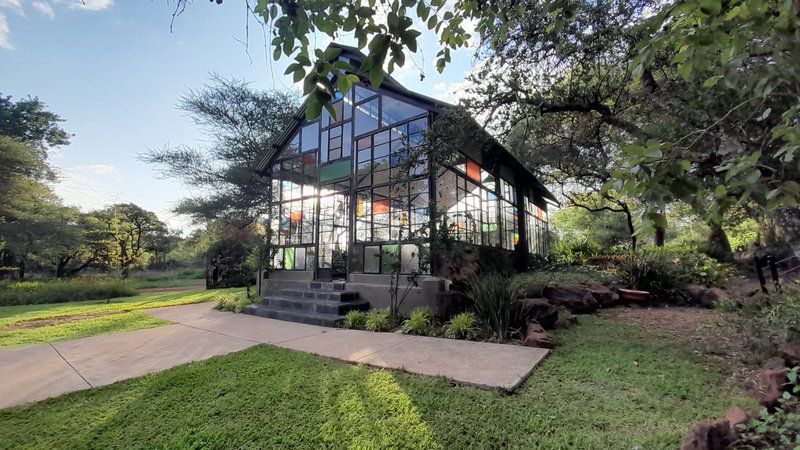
point(701, 96)
point(28, 121)
point(241, 124)
point(133, 232)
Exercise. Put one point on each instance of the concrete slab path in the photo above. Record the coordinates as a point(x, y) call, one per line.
point(37, 372)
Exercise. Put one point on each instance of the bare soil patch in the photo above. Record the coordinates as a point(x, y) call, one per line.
point(705, 333)
point(38, 323)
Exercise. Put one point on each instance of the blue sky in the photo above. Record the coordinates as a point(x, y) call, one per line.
point(114, 71)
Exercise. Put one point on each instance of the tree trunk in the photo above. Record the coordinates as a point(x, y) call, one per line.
point(21, 268)
point(61, 267)
point(660, 234)
point(631, 229)
point(718, 245)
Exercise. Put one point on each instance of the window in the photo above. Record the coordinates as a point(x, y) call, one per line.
point(536, 227)
point(471, 210)
point(362, 93)
point(394, 111)
point(382, 258)
point(366, 117)
point(310, 137)
point(336, 143)
point(508, 214)
point(393, 212)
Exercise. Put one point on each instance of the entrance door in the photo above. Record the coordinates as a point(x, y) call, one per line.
point(334, 217)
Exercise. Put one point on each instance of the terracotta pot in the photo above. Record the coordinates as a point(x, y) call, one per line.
point(633, 295)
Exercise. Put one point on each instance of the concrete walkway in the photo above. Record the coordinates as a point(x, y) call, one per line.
point(37, 372)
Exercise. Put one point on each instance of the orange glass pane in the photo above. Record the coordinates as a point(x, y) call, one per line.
point(473, 170)
point(380, 207)
point(296, 216)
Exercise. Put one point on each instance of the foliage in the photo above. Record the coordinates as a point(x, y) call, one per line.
point(569, 275)
point(56, 291)
point(230, 302)
point(767, 321)
point(461, 326)
point(779, 428)
point(654, 272)
point(240, 124)
point(702, 269)
point(420, 321)
point(577, 252)
point(355, 320)
point(496, 303)
point(639, 390)
point(597, 228)
point(377, 320)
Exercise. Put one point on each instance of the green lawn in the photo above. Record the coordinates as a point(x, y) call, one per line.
point(167, 282)
point(610, 386)
point(128, 319)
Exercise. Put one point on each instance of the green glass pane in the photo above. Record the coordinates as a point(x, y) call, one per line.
point(338, 169)
point(288, 259)
point(389, 258)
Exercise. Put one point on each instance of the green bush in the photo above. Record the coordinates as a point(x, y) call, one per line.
point(59, 291)
point(230, 302)
point(377, 320)
point(767, 321)
point(355, 320)
point(461, 326)
point(654, 272)
point(577, 252)
point(778, 428)
point(496, 303)
point(419, 322)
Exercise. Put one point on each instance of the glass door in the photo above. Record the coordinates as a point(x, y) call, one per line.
point(334, 216)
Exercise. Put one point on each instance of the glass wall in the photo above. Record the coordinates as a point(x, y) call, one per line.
point(536, 228)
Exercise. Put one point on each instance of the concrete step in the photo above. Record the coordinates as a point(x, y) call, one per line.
point(326, 285)
point(339, 296)
point(315, 305)
point(299, 316)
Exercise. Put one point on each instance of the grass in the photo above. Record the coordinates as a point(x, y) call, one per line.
point(56, 291)
point(610, 386)
point(166, 283)
point(117, 315)
point(171, 278)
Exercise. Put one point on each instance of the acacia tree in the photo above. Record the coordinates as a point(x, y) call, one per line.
point(132, 231)
point(241, 124)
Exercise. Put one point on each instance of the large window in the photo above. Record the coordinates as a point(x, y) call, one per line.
point(508, 214)
point(536, 227)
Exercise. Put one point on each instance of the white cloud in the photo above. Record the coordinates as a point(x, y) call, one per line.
point(44, 8)
point(5, 33)
point(451, 92)
point(100, 169)
point(14, 5)
point(86, 186)
point(90, 5)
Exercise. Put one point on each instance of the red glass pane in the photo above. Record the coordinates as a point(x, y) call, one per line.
point(473, 170)
point(380, 207)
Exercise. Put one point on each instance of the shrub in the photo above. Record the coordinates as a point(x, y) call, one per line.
point(654, 272)
point(768, 321)
point(496, 302)
point(419, 322)
point(354, 320)
point(230, 302)
point(569, 275)
point(778, 428)
point(461, 326)
point(577, 252)
point(702, 269)
point(377, 320)
point(59, 291)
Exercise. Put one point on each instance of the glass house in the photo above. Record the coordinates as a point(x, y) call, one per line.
point(337, 207)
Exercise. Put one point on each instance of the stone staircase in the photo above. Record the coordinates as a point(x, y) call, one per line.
point(314, 303)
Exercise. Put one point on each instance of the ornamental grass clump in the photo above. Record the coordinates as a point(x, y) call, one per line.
point(355, 320)
point(419, 322)
point(377, 320)
point(230, 302)
point(496, 302)
point(461, 326)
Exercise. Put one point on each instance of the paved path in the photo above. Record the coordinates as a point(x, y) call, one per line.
point(37, 372)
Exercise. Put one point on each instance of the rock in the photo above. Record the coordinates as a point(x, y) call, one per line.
point(774, 380)
point(716, 435)
point(790, 352)
point(711, 296)
point(450, 303)
point(534, 290)
point(537, 337)
point(574, 298)
point(604, 296)
point(695, 292)
point(567, 322)
point(736, 416)
point(539, 310)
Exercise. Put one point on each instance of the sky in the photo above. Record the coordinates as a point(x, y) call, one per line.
point(114, 71)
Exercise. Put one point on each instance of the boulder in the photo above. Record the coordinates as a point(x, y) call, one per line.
point(567, 322)
point(736, 416)
point(534, 290)
point(537, 337)
point(540, 311)
point(711, 296)
point(576, 299)
point(774, 381)
point(604, 296)
point(450, 303)
point(695, 292)
point(716, 435)
point(790, 352)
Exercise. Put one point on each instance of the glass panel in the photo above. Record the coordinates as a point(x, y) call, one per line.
point(409, 258)
point(277, 260)
point(293, 146)
point(395, 110)
point(362, 93)
point(310, 139)
point(335, 170)
point(372, 259)
point(388, 258)
point(300, 258)
point(288, 258)
point(366, 118)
